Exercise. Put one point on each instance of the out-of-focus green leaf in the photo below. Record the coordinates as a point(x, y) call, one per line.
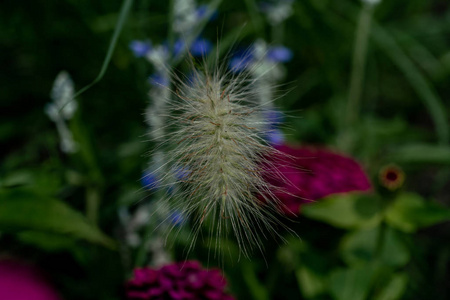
point(346, 210)
point(289, 254)
point(21, 177)
point(410, 212)
point(395, 288)
point(53, 242)
point(425, 154)
point(418, 82)
point(256, 289)
point(361, 247)
point(21, 209)
point(353, 283)
point(310, 283)
point(47, 241)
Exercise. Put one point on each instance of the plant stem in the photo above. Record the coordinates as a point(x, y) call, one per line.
point(124, 11)
point(379, 245)
point(278, 33)
point(142, 251)
point(92, 204)
point(256, 17)
point(358, 65)
point(171, 33)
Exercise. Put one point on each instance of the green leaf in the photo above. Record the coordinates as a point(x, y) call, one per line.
point(310, 283)
point(410, 212)
point(346, 210)
point(421, 153)
point(418, 81)
point(21, 209)
point(395, 288)
point(21, 177)
point(363, 246)
point(256, 289)
point(353, 283)
point(47, 241)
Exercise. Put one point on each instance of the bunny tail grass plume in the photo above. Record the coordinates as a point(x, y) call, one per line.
point(215, 147)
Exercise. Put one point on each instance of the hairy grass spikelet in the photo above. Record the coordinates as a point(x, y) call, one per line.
point(216, 131)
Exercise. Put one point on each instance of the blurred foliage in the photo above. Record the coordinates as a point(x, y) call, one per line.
point(61, 211)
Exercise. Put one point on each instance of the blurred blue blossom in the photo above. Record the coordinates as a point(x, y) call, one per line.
point(279, 54)
point(149, 181)
point(200, 47)
point(275, 137)
point(181, 173)
point(277, 11)
point(274, 118)
point(241, 60)
point(140, 48)
point(178, 47)
point(159, 80)
point(201, 12)
point(177, 218)
point(244, 59)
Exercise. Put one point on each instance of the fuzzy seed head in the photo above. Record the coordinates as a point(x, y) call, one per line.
point(216, 135)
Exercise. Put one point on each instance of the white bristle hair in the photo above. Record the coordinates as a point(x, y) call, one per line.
point(215, 135)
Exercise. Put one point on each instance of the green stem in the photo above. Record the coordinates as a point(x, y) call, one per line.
point(255, 288)
point(124, 10)
point(171, 33)
point(379, 245)
point(358, 65)
point(255, 17)
point(278, 33)
point(419, 82)
point(142, 251)
point(92, 204)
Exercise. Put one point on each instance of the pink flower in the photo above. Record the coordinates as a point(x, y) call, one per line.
point(19, 281)
point(177, 281)
point(313, 173)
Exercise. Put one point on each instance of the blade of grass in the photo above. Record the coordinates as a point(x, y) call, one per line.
point(421, 55)
point(255, 16)
point(419, 83)
point(358, 64)
point(124, 11)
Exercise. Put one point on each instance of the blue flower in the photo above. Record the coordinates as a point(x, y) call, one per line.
point(177, 218)
point(158, 80)
point(240, 61)
point(201, 12)
point(178, 47)
point(274, 118)
point(140, 48)
point(149, 181)
point(279, 54)
point(275, 137)
point(181, 173)
point(200, 47)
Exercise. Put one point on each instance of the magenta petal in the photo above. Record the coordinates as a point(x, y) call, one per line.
point(178, 281)
point(213, 295)
point(155, 292)
point(19, 281)
point(137, 295)
point(310, 174)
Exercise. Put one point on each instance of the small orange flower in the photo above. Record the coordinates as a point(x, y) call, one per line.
point(391, 177)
